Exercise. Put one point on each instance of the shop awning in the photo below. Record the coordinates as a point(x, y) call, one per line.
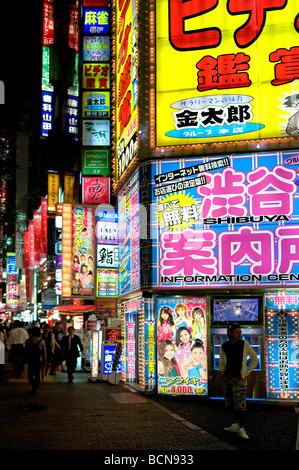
point(72, 309)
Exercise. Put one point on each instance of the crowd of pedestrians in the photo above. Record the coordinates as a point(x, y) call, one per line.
point(40, 349)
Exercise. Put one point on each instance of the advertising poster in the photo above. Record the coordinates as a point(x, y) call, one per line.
point(108, 357)
point(96, 75)
point(107, 256)
point(107, 225)
point(129, 237)
point(96, 48)
point(95, 190)
point(225, 222)
point(96, 162)
point(107, 282)
point(225, 71)
point(282, 344)
point(126, 85)
point(182, 346)
point(83, 267)
point(96, 132)
point(96, 104)
point(12, 286)
point(96, 20)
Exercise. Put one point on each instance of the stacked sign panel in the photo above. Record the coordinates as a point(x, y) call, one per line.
point(282, 354)
point(72, 113)
point(95, 87)
point(47, 112)
point(126, 85)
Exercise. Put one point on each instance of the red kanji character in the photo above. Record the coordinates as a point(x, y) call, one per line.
point(226, 75)
point(288, 69)
point(90, 83)
point(184, 40)
point(102, 83)
point(252, 28)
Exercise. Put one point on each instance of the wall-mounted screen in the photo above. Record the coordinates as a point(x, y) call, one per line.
point(243, 310)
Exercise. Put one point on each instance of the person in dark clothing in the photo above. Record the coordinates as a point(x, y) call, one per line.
point(49, 338)
point(70, 349)
point(233, 360)
point(16, 342)
point(36, 354)
point(57, 359)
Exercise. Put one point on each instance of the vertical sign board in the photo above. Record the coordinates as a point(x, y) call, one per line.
point(149, 344)
point(282, 344)
point(129, 238)
point(95, 84)
point(95, 190)
point(107, 251)
point(130, 311)
point(182, 346)
point(12, 286)
point(47, 112)
point(225, 222)
point(53, 191)
point(78, 253)
point(217, 61)
point(126, 85)
point(72, 108)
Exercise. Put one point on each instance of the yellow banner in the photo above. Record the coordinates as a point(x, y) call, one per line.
point(225, 72)
point(53, 191)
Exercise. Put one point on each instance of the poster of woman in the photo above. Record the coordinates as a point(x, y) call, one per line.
point(182, 346)
point(83, 251)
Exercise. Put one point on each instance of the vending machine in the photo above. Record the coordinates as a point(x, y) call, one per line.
point(248, 313)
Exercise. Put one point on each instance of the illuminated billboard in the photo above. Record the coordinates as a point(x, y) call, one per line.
point(12, 282)
point(96, 75)
point(126, 85)
point(129, 233)
point(96, 20)
point(182, 346)
point(95, 190)
point(222, 222)
point(226, 71)
point(96, 48)
point(96, 162)
point(96, 132)
point(96, 104)
point(78, 251)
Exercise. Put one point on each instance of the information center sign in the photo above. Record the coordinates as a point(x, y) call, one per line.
point(226, 222)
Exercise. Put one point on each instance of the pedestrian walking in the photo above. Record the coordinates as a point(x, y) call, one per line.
point(15, 344)
point(49, 338)
point(2, 352)
point(36, 355)
point(71, 346)
point(57, 357)
point(233, 361)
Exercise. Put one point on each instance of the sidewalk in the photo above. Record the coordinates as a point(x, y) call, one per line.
point(99, 416)
point(88, 415)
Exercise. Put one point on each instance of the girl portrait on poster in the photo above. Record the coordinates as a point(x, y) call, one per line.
point(198, 323)
point(196, 364)
point(183, 342)
point(181, 319)
point(167, 363)
point(165, 325)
